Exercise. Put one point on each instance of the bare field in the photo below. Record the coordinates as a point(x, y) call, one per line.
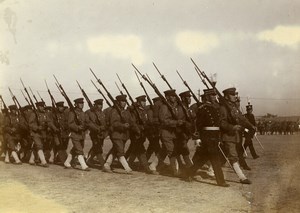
point(275, 176)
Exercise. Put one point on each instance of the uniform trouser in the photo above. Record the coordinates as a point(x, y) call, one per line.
point(3, 144)
point(154, 145)
point(209, 152)
point(60, 146)
point(48, 146)
point(118, 147)
point(97, 145)
point(249, 143)
point(181, 145)
point(26, 145)
point(78, 145)
point(240, 153)
point(230, 150)
point(12, 142)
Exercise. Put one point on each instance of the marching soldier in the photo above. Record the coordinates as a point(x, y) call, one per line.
point(26, 140)
point(4, 116)
point(38, 124)
point(97, 125)
point(77, 126)
point(12, 125)
point(208, 129)
point(171, 130)
point(137, 142)
point(61, 133)
point(231, 122)
point(152, 133)
point(121, 122)
point(249, 135)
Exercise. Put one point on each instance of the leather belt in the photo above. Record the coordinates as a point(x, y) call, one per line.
point(211, 128)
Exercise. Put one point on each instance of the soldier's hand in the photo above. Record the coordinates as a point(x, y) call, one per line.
point(237, 127)
point(126, 125)
point(197, 142)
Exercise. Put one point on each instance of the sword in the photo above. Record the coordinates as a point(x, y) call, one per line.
point(225, 156)
point(255, 136)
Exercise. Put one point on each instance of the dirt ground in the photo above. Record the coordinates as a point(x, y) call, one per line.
point(275, 176)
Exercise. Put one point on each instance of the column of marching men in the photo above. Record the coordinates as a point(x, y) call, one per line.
point(43, 136)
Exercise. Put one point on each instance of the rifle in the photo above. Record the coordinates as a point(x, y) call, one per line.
point(18, 105)
point(107, 102)
point(148, 80)
point(32, 104)
point(201, 78)
point(53, 102)
point(85, 96)
point(110, 97)
point(33, 95)
point(148, 98)
point(236, 116)
point(6, 109)
point(185, 110)
point(186, 84)
point(122, 93)
point(64, 94)
point(140, 120)
point(40, 96)
point(25, 98)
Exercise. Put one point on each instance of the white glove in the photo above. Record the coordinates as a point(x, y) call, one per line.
point(197, 142)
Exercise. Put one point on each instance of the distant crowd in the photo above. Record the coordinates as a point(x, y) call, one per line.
point(286, 127)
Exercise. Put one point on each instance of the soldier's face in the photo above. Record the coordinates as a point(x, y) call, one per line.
point(41, 108)
point(172, 98)
point(61, 109)
point(99, 106)
point(232, 97)
point(80, 105)
point(213, 98)
point(142, 103)
point(123, 104)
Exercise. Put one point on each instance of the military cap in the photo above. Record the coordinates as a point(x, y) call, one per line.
point(40, 103)
point(156, 99)
point(185, 94)
point(78, 101)
point(26, 107)
point(98, 101)
point(121, 97)
point(230, 91)
point(59, 104)
point(141, 98)
point(48, 108)
point(170, 92)
point(209, 92)
point(249, 107)
point(12, 107)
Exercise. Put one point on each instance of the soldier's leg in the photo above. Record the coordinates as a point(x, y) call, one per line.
point(233, 158)
point(120, 145)
point(252, 150)
point(240, 153)
point(78, 145)
point(38, 141)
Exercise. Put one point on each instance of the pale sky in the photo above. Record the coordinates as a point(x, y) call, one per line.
point(253, 45)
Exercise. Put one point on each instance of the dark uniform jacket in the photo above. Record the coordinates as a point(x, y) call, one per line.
point(77, 124)
point(39, 125)
point(117, 125)
point(96, 123)
point(230, 116)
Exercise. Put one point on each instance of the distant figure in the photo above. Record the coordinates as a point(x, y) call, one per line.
point(249, 135)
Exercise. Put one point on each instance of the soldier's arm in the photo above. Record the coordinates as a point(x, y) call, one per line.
point(71, 122)
point(224, 124)
point(91, 121)
point(32, 122)
point(115, 121)
point(165, 117)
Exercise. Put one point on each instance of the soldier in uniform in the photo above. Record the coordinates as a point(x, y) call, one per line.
point(153, 130)
point(171, 129)
point(38, 124)
point(77, 125)
point(12, 125)
point(97, 125)
point(249, 135)
point(231, 122)
point(120, 123)
point(61, 138)
point(208, 129)
point(137, 142)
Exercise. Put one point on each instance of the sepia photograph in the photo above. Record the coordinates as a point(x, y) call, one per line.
point(149, 106)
